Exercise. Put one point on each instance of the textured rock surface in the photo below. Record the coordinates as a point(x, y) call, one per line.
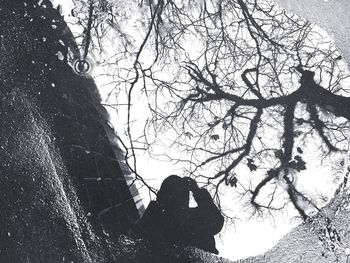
point(331, 15)
point(63, 195)
point(324, 238)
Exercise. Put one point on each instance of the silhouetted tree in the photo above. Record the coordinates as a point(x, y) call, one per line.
point(242, 88)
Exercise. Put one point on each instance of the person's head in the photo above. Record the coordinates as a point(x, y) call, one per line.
point(174, 192)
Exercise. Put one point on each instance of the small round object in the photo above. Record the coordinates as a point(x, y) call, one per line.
point(285, 178)
point(82, 66)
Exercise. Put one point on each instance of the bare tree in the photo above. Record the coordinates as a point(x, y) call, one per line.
point(236, 84)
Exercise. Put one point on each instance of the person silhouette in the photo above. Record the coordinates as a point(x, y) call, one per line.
point(170, 220)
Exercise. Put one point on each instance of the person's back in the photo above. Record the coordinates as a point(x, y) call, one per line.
point(170, 220)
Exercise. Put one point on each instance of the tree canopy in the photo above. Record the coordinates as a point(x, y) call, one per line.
point(242, 89)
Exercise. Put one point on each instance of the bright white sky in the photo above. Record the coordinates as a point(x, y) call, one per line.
point(247, 237)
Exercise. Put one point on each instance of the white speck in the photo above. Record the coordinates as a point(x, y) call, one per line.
point(44, 39)
point(98, 179)
point(9, 234)
point(53, 26)
point(88, 214)
point(60, 55)
point(33, 62)
point(31, 19)
point(53, 85)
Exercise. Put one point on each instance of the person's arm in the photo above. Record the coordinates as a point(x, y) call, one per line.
point(206, 217)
